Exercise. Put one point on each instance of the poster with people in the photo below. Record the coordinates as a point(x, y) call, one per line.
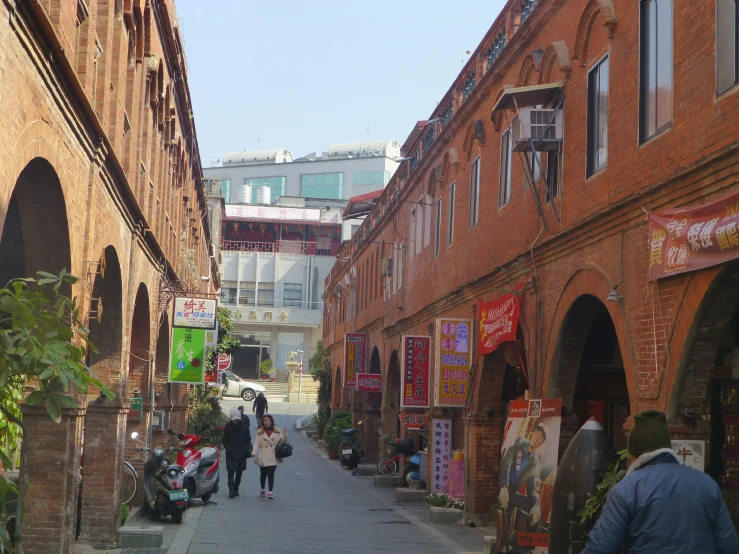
point(528, 468)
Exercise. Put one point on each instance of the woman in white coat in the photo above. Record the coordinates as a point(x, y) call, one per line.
point(268, 437)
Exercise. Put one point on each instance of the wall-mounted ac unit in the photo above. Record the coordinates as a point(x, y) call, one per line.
point(534, 123)
point(387, 267)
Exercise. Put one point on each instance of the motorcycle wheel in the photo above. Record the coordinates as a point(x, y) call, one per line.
point(387, 466)
point(176, 515)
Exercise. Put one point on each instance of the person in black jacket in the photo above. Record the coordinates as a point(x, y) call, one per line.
point(235, 444)
point(261, 407)
point(247, 424)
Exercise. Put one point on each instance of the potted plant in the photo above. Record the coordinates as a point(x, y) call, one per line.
point(265, 369)
point(332, 433)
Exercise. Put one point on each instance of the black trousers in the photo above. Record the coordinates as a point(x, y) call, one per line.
point(234, 479)
point(266, 473)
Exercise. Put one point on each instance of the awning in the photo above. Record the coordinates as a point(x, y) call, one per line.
point(361, 205)
point(534, 95)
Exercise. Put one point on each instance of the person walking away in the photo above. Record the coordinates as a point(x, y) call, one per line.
point(268, 437)
point(247, 425)
point(261, 407)
point(661, 506)
point(234, 443)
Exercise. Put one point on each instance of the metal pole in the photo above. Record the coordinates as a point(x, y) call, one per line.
point(300, 382)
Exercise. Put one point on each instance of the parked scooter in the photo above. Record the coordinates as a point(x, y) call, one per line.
point(202, 473)
point(164, 490)
point(350, 450)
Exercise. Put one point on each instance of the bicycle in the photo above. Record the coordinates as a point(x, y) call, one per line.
point(129, 483)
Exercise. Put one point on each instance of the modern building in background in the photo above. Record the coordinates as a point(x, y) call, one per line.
point(280, 222)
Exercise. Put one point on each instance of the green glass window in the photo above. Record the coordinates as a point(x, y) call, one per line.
point(322, 185)
point(276, 186)
point(226, 189)
point(372, 177)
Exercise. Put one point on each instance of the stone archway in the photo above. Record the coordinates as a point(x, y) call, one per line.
point(165, 393)
point(391, 398)
point(373, 413)
point(104, 420)
point(36, 237)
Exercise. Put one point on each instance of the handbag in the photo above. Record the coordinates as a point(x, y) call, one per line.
point(283, 450)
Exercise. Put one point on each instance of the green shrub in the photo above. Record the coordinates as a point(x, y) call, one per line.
point(338, 421)
point(442, 500)
point(124, 513)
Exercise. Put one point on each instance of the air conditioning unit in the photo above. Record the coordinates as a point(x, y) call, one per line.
point(387, 267)
point(534, 124)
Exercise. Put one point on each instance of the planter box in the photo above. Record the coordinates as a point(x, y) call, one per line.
point(445, 516)
point(386, 481)
point(489, 544)
point(333, 455)
point(410, 496)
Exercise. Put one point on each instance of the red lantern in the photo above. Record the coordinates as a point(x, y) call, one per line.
point(251, 226)
point(262, 227)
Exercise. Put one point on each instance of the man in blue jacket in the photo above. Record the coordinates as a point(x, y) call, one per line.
point(661, 506)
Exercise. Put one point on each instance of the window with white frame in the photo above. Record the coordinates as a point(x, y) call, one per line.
point(504, 192)
point(266, 294)
point(656, 67)
point(554, 174)
point(597, 152)
point(450, 229)
point(474, 192)
point(437, 227)
point(412, 236)
point(727, 60)
point(247, 293)
point(533, 171)
point(293, 294)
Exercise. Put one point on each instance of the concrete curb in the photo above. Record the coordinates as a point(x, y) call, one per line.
point(181, 542)
point(302, 421)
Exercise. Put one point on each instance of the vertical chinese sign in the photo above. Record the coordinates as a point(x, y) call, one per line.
point(416, 360)
point(355, 349)
point(441, 454)
point(187, 358)
point(687, 239)
point(453, 360)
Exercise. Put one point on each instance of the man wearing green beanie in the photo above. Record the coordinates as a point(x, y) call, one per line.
point(661, 506)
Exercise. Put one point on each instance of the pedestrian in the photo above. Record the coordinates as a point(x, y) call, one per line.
point(661, 506)
point(247, 425)
point(261, 407)
point(235, 445)
point(268, 437)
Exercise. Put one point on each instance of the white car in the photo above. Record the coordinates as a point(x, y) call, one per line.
point(248, 390)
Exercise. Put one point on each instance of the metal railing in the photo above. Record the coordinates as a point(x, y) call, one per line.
point(294, 247)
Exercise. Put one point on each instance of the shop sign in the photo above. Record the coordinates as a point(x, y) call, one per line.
point(355, 348)
point(691, 453)
point(187, 358)
point(527, 418)
point(136, 409)
point(412, 421)
point(211, 340)
point(195, 313)
point(416, 360)
point(224, 361)
point(498, 322)
point(453, 361)
point(441, 454)
point(688, 239)
point(369, 382)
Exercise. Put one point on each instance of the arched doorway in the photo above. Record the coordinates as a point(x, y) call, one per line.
point(163, 397)
point(588, 372)
point(373, 413)
point(391, 399)
point(104, 420)
point(336, 391)
point(36, 237)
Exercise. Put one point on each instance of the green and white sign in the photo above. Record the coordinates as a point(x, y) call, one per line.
point(187, 359)
point(211, 340)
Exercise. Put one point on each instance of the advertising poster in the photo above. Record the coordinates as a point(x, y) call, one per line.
point(453, 360)
point(355, 349)
point(416, 360)
point(195, 313)
point(369, 382)
point(441, 455)
point(498, 322)
point(187, 358)
point(528, 465)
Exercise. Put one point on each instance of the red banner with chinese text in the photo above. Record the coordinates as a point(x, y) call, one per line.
point(354, 357)
point(412, 421)
point(416, 360)
point(369, 382)
point(688, 239)
point(498, 321)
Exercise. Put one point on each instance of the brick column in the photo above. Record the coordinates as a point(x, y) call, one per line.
point(372, 447)
point(137, 459)
point(483, 463)
point(52, 465)
point(105, 427)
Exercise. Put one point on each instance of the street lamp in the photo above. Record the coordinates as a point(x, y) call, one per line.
point(300, 382)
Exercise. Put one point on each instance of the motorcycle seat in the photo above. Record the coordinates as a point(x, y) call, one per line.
point(349, 432)
point(208, 456)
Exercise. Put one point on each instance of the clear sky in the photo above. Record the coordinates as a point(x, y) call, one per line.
point(302, 75)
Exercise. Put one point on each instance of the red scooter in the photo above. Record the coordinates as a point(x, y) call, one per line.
point(200, 465)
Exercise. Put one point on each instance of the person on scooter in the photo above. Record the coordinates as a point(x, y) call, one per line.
point(261, 407)
point(268, 437)
point(234, 443)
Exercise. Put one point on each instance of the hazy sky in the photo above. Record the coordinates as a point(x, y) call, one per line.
point(302, 75)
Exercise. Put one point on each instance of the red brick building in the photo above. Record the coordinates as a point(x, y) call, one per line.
point(100, 174)
point(463, 221)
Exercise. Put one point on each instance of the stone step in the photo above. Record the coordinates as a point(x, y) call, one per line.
point(367, 470)
point(387, 481)
point(445, 516)
point(145, 536)
point(409, 496)
point(489, 544)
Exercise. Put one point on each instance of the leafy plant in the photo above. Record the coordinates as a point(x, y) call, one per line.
point(338, 421)
point(226, 343)
point(206, 415)
point(320, 370)
point(597, 499)
point(443, 500)
point(42, 342)
point(265, 368)
point(124, 513)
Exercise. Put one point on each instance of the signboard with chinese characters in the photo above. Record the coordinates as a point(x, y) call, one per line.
point(224, 361)
point(691, 453)
point(453, 359)
point(440, 455)
point(195, 313)
point(280, 213)
point(369, 382)
point(187, 358)
point(687, 239)
point(355, 349)
point(413, 421)
point(211, 340)
point(498, 321)
point(416, 360)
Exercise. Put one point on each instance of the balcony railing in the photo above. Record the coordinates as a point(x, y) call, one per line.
point(294, 247)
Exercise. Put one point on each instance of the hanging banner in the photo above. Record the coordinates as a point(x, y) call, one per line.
point(416, 359)
point(355, 347)
point(187, 358)
point(498, 321)
point(211, 340)
point(195, 313)
point(412, 421)
point(453, 360)
point(528, 465)
point(369, 382)
point(441, 454)
point(688, 239)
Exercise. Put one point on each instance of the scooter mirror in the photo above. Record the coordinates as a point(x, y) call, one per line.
point(134, 435)
point(170, 431)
